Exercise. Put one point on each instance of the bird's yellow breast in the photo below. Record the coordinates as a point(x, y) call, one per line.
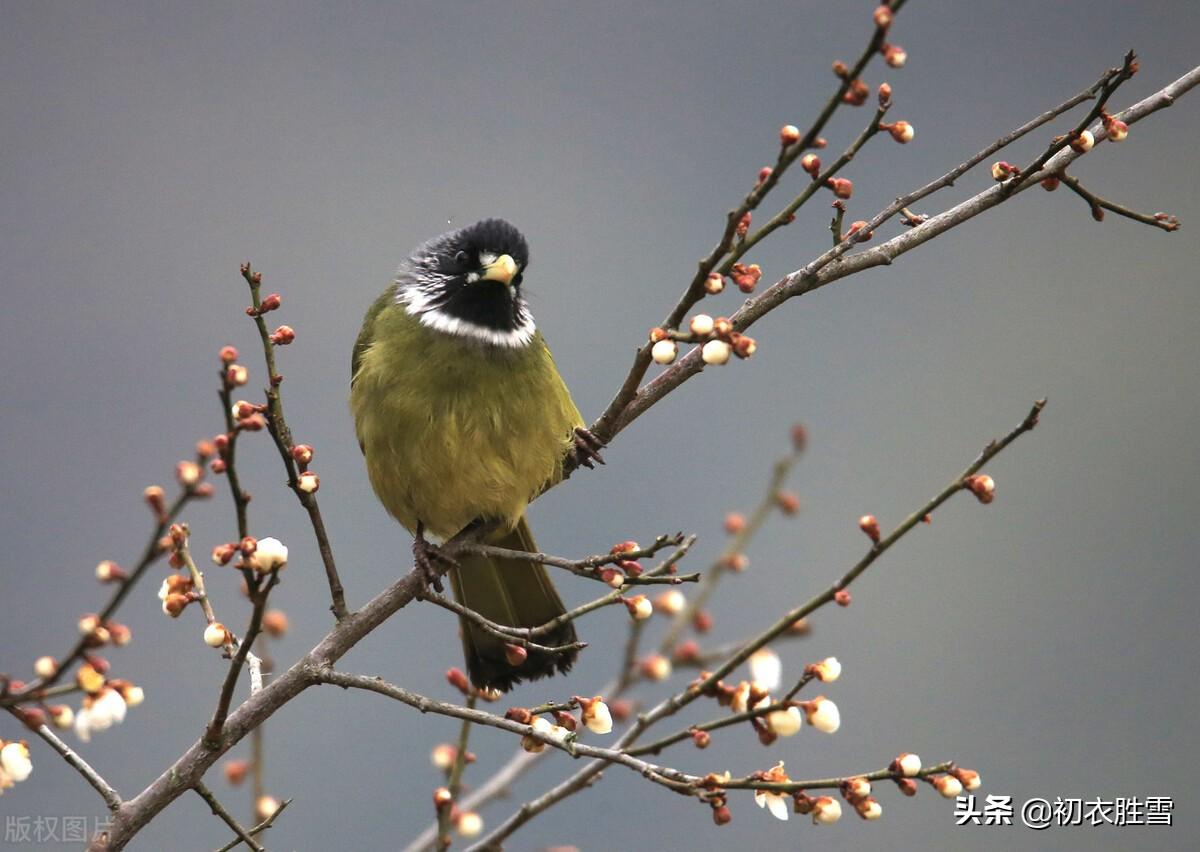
point(453, 429)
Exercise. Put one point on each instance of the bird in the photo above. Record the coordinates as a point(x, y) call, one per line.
point(462, 416)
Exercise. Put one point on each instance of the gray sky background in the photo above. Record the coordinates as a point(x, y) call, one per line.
point(1047, 640)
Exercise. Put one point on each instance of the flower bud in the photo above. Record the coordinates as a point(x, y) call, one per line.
point(841, 187)
point(857, 94)
point(883, 17)
point(469, 824)
point(109, 572)
point(826, 810)
point(275, 623)
point(735, 522)
point(884, 93)
point(842, 597)
point(701, 325)
point(743, 225)
point(826, 671)
point(907, 786)
point(1051, 183)
point(89, 679)
point(870, 526)
point(228, 355)
point(270, 302)
point(670, 602)
point(237, 375)
point(894, 55)
point(61, 716)
point(868, 808)
point(302, 453)
point(308, 482)
point(822, 714)
point(789, 134)
point(788, 502)
point(222, 553)
point(743, 345)
point(969, 778)
point(856, 788)
point(907, 764)
point(664, 352)
point(215, 635)
point(714, 283)
point(811, 163)
point(702, 621)
point(655, 667)
point(746, 277)
point(236, 771)
point(716, 352)
point(982, 486)
point(687, 651)
point(949, 786)
point(45, 667)
point(596, 715)
point(1117, 130)
point(1083, 142)
point(902, 131)
point(785, 723)
point(156, 499)
point(764, 173)
point(188, 473)
point(283, 335)
point(456, 678)
point(1002, 170)
point(265, 807)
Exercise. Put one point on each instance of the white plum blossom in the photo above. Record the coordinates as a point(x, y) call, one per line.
point(14, 758)
point(270, 555)
point(766, 669)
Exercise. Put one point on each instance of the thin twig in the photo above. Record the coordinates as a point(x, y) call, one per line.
point(111, 798)
point(213, 732)
point(258, 829)
point(1098, 205)
point(513, 635)
point(454, 780)
point(218, 809)
point(282, 435)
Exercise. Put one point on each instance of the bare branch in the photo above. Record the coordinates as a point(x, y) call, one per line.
point(219, 810)
point(111, 798)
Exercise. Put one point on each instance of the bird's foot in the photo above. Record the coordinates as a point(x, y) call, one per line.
point(425, 554)
point(586, 449)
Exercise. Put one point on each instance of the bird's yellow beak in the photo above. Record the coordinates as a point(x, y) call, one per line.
point(502, 269)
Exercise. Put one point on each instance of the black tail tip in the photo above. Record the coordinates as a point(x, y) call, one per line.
point(488, 666)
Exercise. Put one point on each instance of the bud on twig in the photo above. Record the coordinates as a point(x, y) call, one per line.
point(870, 526)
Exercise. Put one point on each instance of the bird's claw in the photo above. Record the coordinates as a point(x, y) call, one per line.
point(586, 449)
point(425, 554)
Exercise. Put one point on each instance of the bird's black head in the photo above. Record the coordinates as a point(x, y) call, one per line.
point(468, 283)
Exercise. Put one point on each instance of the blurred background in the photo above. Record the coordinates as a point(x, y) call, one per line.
point(149, 148)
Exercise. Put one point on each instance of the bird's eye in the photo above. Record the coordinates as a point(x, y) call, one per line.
point(461, 258)
point(516, 282)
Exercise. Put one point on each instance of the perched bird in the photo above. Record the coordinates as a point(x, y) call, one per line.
point(462, 415)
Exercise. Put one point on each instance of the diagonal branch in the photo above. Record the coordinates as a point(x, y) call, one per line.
point(111, 798)
point(1098, 205)
point(219, 810)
